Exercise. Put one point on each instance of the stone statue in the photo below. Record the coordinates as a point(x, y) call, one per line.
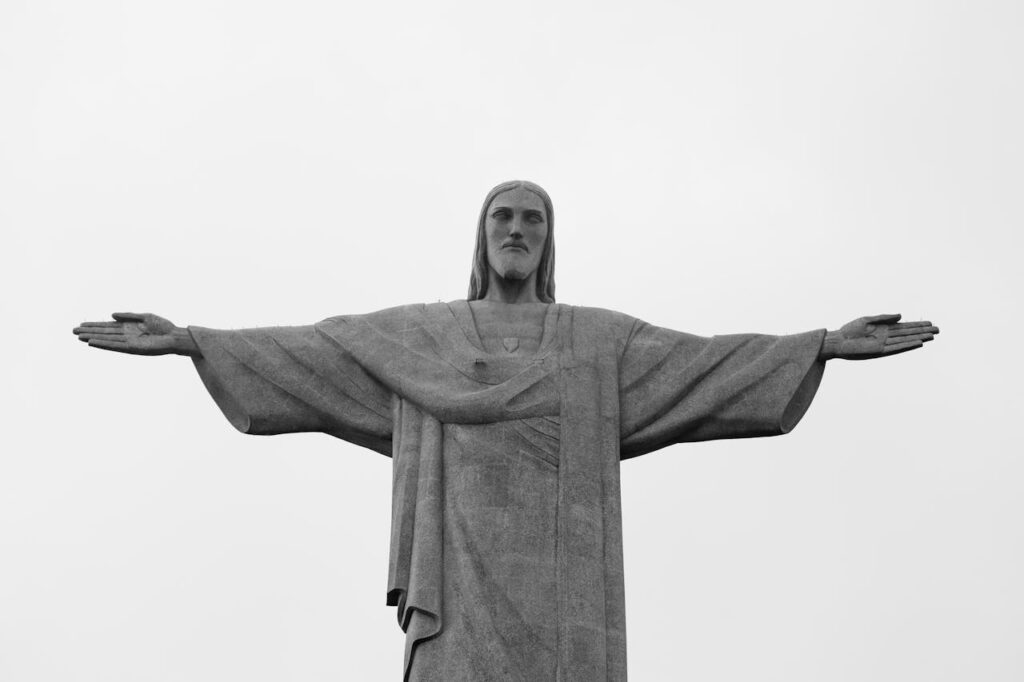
point(506, 416)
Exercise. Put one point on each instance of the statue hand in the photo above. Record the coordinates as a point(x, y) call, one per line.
point(873, 337)
point(138, 334)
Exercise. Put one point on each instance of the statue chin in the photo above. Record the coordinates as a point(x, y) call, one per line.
point(513, 273)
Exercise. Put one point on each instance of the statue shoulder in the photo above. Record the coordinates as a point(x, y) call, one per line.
point(388, 318)
point(602, 321)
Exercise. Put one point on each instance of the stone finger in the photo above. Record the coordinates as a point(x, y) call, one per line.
point(910, 331)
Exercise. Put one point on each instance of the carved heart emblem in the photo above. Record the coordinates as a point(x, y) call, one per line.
point(511, 344)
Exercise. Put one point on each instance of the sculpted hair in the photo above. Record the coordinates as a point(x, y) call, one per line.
point(478, 281)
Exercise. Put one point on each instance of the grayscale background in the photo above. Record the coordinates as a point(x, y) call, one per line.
point(715, 167)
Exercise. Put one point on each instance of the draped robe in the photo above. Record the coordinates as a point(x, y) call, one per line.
point(506, 532)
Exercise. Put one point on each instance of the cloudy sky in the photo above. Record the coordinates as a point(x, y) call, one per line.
point(715, 167)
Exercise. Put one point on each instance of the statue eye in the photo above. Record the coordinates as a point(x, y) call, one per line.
point(501, 214)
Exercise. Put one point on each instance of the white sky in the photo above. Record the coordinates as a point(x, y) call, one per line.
point(715, 167)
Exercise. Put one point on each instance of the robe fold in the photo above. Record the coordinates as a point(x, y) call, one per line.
point(506, 534)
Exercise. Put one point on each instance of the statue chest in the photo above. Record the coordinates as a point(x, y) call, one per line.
point(519, 335)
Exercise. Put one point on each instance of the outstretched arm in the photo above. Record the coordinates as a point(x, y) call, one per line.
point(875, 337)
point(267, 380)
point(138, 334)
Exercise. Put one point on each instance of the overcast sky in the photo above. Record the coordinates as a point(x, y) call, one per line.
point(715, 167)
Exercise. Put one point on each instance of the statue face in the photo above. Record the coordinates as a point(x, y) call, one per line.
point(517, 228)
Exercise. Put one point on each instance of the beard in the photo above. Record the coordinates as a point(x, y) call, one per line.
point(509, 267)
point(513, 272)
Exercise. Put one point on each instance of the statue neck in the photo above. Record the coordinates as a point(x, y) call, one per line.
point(502, 290)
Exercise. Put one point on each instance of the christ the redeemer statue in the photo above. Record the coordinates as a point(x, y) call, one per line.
point(506, 416)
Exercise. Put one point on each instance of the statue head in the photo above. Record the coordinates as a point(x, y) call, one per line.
point(515, 239)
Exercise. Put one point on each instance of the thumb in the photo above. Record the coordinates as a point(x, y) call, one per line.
point(129, 317)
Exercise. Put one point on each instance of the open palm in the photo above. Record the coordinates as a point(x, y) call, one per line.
point(880, 335)
point(135, 333)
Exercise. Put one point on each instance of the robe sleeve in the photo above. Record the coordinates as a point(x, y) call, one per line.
point(677, 387)
point(293, 379)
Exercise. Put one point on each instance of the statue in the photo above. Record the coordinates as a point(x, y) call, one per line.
point(506, 416)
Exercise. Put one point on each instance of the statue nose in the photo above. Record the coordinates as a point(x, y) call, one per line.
point(516, 229)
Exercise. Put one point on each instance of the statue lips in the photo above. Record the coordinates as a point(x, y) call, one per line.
point(516, 245)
